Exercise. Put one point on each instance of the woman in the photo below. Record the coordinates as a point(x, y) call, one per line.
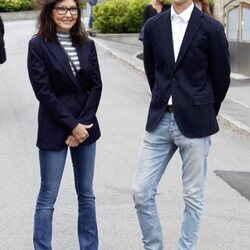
point(203, 5)
point(64, 73)
point(2, 48)
point(155, 7)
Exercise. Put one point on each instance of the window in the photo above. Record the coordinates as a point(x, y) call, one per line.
point(238, 20)
point(245, 24)
point(232, 24)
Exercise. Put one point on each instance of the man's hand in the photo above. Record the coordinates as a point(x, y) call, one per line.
point(80, 132)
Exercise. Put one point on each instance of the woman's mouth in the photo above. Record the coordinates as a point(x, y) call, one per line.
point(67, 21)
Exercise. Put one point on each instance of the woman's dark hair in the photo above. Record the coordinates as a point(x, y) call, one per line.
point(47, 27)
point(205, 6)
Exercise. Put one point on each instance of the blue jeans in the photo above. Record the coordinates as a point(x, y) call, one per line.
point(157, 149)
point(51, 167)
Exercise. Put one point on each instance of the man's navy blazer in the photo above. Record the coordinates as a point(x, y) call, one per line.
point(198, 80)
point(63, 100)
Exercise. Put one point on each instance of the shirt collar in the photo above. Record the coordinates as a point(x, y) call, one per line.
point(184, 15)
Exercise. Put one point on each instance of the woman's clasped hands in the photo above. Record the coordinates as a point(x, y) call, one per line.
point(79, 135)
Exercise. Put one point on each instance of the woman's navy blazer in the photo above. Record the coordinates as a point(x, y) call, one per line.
point(64, 102)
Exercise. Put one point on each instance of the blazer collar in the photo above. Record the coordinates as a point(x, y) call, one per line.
point(191, 31)
point(185, 15)
point(165, 28)
point(62, 59)
point(82, 52)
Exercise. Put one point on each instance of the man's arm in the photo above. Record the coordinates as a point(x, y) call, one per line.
point(148, 56)
point(219, 65)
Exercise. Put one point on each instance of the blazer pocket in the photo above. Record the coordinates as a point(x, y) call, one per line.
point(201, 43)
point(204, 99)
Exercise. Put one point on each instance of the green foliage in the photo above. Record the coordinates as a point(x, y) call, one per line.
point(16, 5)
point(83, 4)
point(119, 16)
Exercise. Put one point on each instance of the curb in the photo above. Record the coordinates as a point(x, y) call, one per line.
point(130, 63)
point(238, 126)
point(19, 15)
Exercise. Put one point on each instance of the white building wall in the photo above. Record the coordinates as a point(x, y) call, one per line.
point(219, 9)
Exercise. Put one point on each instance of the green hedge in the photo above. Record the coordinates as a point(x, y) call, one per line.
point(119, 16)
point(16, 5)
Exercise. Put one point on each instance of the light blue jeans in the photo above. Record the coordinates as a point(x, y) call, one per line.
point(157, 150)
point(51, 167)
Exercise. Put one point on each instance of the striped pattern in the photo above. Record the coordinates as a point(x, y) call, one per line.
point(65, 40)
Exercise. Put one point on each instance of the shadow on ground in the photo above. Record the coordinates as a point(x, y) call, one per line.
point(238, 180)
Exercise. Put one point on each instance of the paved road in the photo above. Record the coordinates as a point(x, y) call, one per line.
point(122, 114)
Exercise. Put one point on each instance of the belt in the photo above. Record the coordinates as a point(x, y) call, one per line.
point(169, 109)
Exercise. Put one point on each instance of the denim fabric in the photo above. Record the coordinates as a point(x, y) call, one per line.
point(51, 167)
point(157, 150)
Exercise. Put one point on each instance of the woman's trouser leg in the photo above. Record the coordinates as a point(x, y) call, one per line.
point(51, 170)
point(83, 158)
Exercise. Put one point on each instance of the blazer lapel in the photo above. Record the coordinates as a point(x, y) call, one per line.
point(62, 59)
point(166, 35)
point(191, 31)
point(82, 55)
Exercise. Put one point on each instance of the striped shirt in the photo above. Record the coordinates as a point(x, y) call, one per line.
point(65, 40)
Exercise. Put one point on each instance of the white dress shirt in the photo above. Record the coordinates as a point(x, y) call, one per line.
point(179, 25)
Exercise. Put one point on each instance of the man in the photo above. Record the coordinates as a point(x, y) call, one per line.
point(2, 49)
point(92, 3)
point(186, 61)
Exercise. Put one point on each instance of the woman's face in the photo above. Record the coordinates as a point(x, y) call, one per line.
point(65, 14)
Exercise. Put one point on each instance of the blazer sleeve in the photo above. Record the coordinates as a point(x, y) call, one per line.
point(1, 27)
point(146, 14)
point(219, 65)
point(2, 49)
point(148, 58)
point(89, 111)
point(39, 78)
